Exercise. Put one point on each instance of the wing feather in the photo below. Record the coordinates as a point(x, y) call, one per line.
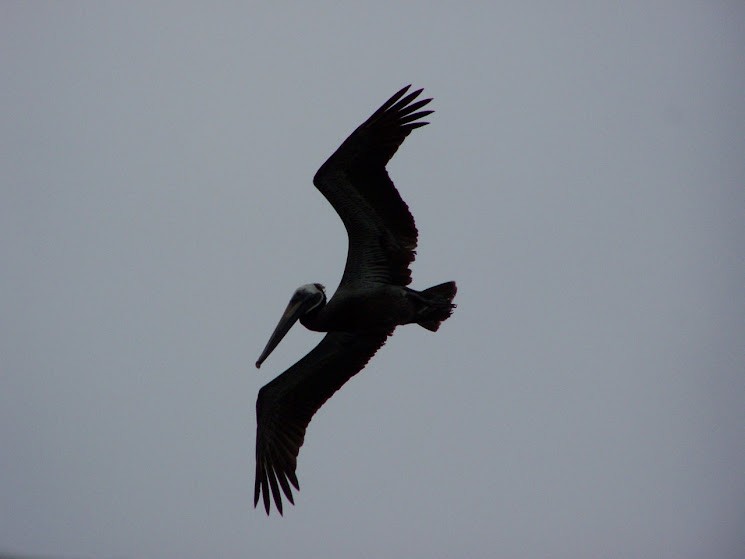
point(382, 233)
point(286, 405)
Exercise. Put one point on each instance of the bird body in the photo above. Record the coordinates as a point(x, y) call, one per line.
point(370, 302)
point(370, 308)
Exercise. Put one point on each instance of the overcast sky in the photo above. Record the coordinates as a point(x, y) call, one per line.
point(582, 180)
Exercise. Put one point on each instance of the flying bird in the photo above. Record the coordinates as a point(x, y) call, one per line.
point(371, 300)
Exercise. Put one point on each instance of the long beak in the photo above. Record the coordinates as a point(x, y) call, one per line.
point(292, 313)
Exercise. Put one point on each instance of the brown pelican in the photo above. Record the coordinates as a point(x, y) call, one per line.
point(371, 300)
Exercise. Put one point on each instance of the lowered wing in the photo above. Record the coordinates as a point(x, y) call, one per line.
point(286, 405)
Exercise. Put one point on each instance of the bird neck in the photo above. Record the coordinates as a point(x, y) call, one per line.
point(314, 319)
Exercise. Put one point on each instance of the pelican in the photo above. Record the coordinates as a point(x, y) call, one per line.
point(371, 300)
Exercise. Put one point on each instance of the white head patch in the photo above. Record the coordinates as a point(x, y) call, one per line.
point(311, 288)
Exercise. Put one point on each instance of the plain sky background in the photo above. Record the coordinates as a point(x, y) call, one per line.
point(583, 180)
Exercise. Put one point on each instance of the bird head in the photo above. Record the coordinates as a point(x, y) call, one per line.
point(306, 298)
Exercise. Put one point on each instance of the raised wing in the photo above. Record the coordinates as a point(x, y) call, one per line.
point(382, 234)
point(286, 405)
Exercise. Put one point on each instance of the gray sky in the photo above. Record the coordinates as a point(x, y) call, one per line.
point(582, 180)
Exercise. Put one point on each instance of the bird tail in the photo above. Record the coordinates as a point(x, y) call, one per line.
point(437, 305)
